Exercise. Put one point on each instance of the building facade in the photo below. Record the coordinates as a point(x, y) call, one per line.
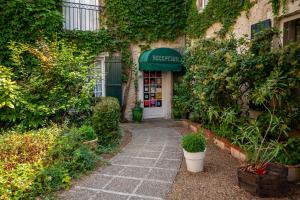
point(155, 86)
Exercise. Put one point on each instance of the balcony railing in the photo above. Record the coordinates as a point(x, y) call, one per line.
point(82, 15)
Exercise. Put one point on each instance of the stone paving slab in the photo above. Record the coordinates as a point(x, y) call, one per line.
point(144, 170)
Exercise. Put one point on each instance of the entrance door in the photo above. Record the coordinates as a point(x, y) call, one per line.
point(153, 94)
point(156, 97)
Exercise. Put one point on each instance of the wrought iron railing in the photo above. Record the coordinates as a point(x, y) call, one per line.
point(82, 14)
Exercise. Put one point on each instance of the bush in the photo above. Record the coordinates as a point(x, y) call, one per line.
point(70, 153)
point(21, 160)
point(87, 132)
point(40, 162)
point(105, 120)
point(194, 143)
point(54, 88)
point(51, 179)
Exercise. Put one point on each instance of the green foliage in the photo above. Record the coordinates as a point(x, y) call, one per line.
point(37, 163)
point(93, 42)
point(51, 179)
point(290, 154)
point(53, 87)
point(194, 142)
point(8, 89)
point(229, 75)
point(255, 139)
point(182, 97)
point(27, 21)
point(146, 20)
point(21, 160)
point(221, 11)
point(277, 4)
point(87, 132)
point(105, 120)
point(71, 154)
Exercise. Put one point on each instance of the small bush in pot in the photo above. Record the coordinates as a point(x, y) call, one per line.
point(261, 176)
point(194, 147)
point(137, 112)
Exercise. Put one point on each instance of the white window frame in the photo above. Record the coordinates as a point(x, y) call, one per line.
point(81, 15)
point(201, 4)
point(100, 78)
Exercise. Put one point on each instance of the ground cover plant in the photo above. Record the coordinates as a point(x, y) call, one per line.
point(37, 163)
point(229, 77)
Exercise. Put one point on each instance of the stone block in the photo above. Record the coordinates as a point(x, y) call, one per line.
point(122, 185)
point(152, 188)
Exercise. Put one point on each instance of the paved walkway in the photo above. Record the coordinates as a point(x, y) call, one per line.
point(144, 170)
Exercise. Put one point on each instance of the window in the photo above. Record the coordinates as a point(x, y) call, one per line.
point(81, 15)
point(261, 26)
point(201, 4)
point(152, 89)
point(99, 74)
point(291, 31)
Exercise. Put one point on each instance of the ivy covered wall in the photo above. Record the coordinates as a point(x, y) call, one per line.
point(26, 21)
point(146, 20)
point(222, 11)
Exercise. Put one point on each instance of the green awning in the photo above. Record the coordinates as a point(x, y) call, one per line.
point(161, 59)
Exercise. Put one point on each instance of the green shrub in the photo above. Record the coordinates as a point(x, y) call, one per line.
point(51, 179)
point(57, 88)
point(87, 132)
point(105, 120)
point(194, 142)
point(290, 154)
point(21, 160)
point(70, 153)
point(39, 162)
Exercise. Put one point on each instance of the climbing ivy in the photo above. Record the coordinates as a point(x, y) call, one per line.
point(276, 4)
point(221, 11)
point(26, 21)
point(146, 20)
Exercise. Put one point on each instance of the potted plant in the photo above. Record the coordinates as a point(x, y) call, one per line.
point(194, 148)
point(137, 112)
point(261, 176)
point(176, 114)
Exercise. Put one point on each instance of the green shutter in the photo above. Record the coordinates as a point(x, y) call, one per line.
point(113, 82)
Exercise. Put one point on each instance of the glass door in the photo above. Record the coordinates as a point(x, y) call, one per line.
point(152, 89)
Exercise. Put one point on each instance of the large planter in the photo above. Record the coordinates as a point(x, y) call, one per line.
point(137, 114)
point(272, 184)
point(293, 172)
point(194, 161)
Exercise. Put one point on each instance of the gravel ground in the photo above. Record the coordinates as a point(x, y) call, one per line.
point(217, 182)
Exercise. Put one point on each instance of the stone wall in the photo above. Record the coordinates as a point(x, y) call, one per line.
point(262, 10)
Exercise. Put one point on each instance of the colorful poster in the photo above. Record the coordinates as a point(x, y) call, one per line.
point(158, 81)
point(146, 96)
point(146, 104)
point(158, 103)
point(158, 96)
point(152, 89)
point(146, 81)
point(146, 88)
